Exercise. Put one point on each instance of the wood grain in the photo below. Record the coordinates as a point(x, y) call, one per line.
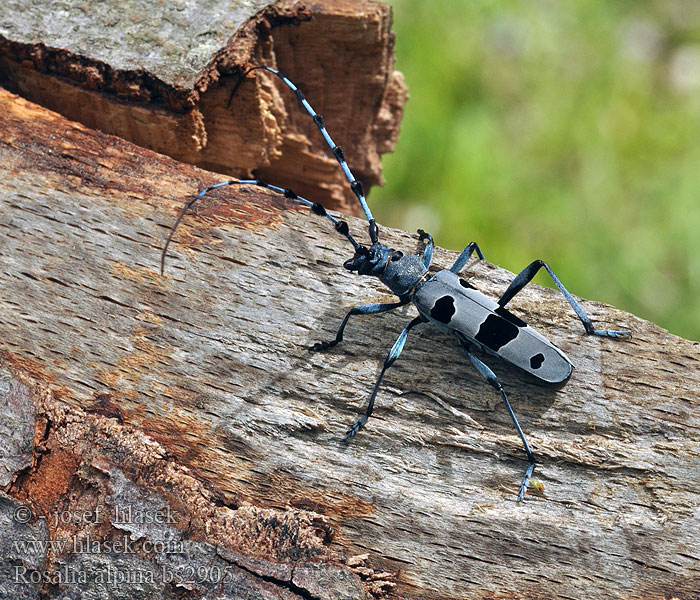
point(210, 364)
point(162, 75)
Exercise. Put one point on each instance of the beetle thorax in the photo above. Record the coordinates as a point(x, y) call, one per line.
point(402, 273)
point(398, 271)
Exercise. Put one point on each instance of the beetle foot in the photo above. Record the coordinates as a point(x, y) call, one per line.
point(321, 346)
point(611, 333)
point(355, 428)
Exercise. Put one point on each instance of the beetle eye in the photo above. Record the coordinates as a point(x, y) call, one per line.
point(398, 255)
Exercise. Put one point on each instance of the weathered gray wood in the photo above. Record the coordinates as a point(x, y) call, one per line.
point(210, 361)
point(161, 75)
point(172, 41)
point(124, 521)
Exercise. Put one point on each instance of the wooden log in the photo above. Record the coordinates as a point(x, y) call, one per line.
point(194, 392)
point(162, 75)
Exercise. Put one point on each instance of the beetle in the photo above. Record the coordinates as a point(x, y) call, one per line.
point(444, 298)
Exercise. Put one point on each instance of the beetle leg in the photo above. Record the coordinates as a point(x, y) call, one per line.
point(364, 309)
point(526, 275)
point(394, 353)
point(492, 380)
point(428, 251)
point(465, 256)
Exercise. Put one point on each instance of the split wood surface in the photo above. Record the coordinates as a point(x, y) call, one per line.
point(162, 75)
point(194, 392)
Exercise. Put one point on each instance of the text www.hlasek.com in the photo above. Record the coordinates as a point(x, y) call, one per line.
point(126, 565)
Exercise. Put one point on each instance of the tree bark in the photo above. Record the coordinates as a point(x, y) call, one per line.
point(192, 395)
point(162, 75)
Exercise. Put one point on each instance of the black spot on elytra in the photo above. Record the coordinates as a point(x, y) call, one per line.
point(509, 316)
point(496, 332)
point(537, 360)
point(443, 309)
point(465, 284)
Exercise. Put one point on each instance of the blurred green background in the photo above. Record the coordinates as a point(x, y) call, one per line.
point(567, 131)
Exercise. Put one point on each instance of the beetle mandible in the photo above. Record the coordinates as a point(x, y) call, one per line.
point(442, 298)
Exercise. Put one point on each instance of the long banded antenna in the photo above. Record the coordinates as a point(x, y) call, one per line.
point(355, 185)
point(340, 226)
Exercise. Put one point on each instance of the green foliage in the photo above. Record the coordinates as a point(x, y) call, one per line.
point(568, 131)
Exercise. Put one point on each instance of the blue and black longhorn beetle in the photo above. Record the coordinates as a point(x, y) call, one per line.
point(442, 298)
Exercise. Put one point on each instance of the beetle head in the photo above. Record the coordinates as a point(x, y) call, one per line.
point(369, 261)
